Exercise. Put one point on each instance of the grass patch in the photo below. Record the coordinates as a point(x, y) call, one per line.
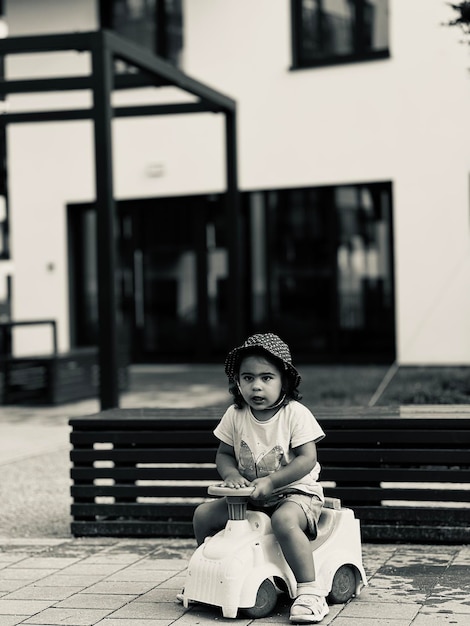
point(354, 385)
point(428, 385)
point(339, 385)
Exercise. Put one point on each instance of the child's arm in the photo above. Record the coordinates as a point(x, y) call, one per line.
point(228, 468)
point(303, 463)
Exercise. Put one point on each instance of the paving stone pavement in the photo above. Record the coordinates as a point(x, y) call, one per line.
point(133, 582)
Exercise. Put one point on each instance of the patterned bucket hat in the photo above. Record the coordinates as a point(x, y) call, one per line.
point(269, 343)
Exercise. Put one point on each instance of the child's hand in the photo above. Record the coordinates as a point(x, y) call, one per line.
point(235, 481)
point(263, 487)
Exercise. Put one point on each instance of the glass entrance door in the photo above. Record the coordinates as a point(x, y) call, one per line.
point(164, 251)
point(322, 270)
point(171, 279)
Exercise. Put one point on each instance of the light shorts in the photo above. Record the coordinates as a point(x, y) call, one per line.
point(311, 505)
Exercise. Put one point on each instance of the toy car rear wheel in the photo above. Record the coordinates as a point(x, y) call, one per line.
point(344, 585)
point(266, 600)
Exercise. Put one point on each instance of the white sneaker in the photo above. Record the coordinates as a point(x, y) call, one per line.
point(308, 609)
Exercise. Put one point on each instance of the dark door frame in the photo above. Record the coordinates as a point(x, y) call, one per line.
point(105, 47)
point(134, 212)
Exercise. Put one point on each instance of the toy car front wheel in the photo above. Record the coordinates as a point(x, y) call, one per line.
point(266, 600)
point(344, 585)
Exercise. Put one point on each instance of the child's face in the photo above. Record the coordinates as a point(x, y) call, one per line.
point(260, 382)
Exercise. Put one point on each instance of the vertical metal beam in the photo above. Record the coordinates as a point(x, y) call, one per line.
point(106, 237)
point(236, 308)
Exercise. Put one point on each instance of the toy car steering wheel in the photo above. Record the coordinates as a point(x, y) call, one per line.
point(222, 490)
point(236, 499)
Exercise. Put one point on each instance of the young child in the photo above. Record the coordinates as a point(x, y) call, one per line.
point(267, 440)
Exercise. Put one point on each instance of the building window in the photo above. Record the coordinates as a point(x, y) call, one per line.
point(322, 270)
point(328, 32)
point(154, 24)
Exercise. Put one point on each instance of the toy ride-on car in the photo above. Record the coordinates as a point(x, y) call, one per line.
point(242, 566)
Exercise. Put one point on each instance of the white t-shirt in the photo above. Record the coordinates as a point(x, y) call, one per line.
point(261, 448)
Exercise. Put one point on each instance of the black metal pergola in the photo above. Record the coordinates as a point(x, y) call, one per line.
point(148, 70)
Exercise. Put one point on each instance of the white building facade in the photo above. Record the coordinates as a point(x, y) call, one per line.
point(353, 168)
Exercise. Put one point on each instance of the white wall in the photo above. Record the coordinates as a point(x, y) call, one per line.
point(28, 17)
point(403, 119)
point(48, 165)
point(38, 218)
point(432, 191)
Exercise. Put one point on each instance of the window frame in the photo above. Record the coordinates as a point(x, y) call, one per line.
point(161, 39)
point(358, 56)
point(5, 222)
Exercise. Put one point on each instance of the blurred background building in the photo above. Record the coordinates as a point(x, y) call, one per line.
point(353, 170)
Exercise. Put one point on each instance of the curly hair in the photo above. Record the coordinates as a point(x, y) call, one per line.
point(289, 381)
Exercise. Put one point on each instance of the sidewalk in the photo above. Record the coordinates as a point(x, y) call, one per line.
point(133, 582)
point(49, 578)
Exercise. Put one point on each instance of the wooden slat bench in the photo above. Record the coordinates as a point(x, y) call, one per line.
point(56, 377)
point(405, 472)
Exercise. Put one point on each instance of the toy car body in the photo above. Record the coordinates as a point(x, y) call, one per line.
point(242, 566)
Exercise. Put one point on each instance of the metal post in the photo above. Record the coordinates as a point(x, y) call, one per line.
point(236, 309)
point(106, 236)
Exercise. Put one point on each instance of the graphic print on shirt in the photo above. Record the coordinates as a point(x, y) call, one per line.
point(264, 465)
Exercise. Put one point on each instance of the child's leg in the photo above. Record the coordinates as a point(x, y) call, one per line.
point(289, 524)
point(209, 518)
